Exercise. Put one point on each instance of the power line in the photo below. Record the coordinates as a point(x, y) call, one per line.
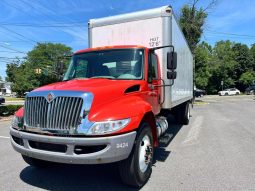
point(60, 25)
point(29, 39)
point(8, 34)
point(5, 51)
point(63, 25)
point(230, 34)
point(41, 41)
point(3, 57)
point(50, 10)
point(13, 49)
point(57, 25)
point(17, 8)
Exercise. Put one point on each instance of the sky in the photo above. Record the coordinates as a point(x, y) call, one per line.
point(23, 23)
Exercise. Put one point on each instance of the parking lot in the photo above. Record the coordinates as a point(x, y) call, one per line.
point(216, 151)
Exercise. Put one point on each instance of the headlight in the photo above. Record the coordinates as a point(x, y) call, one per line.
point(17, 122)
point(105, 127)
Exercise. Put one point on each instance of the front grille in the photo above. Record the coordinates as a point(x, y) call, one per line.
point(62, 113)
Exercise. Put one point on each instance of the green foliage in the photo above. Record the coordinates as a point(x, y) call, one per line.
point(252, 52)
point(203, 56)
point(11, 70)
point(191, 22)
point(247, 78)
point(227, 61)
point(40, 67)
point(232, 63)
point(9, 109)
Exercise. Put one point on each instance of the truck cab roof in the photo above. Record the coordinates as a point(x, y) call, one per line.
point(109, 47)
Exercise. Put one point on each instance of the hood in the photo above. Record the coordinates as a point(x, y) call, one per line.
point(104, 90)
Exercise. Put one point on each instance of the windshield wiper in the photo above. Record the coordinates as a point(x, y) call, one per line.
point(104, 77)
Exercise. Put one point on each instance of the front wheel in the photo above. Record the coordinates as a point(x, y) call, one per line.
point(136, 169)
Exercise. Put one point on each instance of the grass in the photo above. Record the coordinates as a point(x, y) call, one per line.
point(14, 99)
point(200, 102)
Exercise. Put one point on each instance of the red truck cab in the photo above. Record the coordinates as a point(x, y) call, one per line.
point(110, 97)
point(113, 102)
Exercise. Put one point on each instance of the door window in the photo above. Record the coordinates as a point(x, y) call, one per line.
point(153, 68)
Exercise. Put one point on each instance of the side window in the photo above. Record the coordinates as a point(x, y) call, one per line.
point(153, 67)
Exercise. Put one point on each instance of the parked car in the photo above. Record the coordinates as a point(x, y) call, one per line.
point(250, 90)
point(199, 92)
point(2, 100)
point(230, 91)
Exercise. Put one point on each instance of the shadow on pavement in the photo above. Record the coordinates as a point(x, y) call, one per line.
point(74, 177)
point(88, 177)
point(161, 154)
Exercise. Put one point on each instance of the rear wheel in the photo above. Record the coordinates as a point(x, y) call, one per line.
point(136, 169)
point(182, 113)
point(226, 94)
point(36, 162)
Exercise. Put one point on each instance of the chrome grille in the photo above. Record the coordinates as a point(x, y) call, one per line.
point(62, 113)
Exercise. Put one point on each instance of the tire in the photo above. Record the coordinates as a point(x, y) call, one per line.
point(226, 94)
point(237, 93)
point(182, 113)
point(135, 172)
point(36, 162)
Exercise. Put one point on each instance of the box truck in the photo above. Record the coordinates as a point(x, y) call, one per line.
point(112, 104)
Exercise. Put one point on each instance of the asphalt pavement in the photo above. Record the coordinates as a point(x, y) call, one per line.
point(216, 151)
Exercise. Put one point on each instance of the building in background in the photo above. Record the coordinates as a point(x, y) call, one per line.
point(5, 88)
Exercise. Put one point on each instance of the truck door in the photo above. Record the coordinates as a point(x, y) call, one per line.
point(153, 82)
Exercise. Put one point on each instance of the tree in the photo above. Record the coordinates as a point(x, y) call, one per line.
point(247, 78)
point(252, 52)
point(243, 57)
point(192, 21)
point(12, 69)
point(44, 59)
point(25, 80)
point(39, 67)
point(203, 56)
point(222, 66)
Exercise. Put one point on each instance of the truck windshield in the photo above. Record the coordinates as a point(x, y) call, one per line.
point(110, 64)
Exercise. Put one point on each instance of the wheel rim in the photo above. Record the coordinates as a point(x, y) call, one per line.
point(145, 153)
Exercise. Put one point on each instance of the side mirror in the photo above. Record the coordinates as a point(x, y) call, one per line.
point(171, 75)
point(171, 60)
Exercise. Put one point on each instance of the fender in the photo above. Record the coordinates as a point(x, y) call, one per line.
point(133, 107)
point(20, 112)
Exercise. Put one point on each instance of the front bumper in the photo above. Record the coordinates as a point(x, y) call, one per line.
point(116, 147)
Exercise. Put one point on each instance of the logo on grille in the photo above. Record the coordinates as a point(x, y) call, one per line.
point(50, 97)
